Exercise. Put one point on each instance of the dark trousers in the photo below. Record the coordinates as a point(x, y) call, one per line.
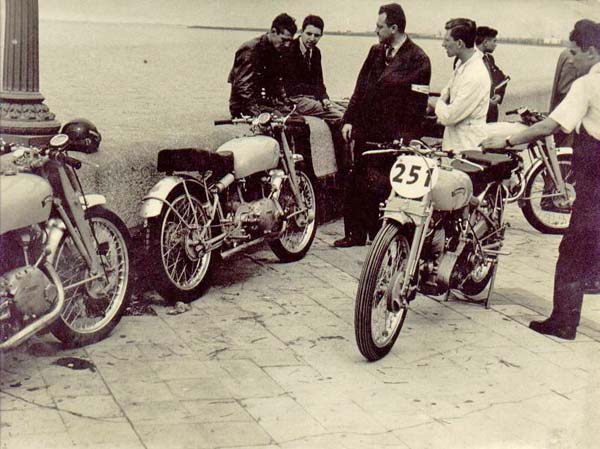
point(579, 251)
point(366, 187)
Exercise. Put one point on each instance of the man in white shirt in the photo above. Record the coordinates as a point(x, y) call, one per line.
point(578, 262)
point(463, 104)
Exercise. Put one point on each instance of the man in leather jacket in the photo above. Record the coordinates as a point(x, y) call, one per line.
point(256, 75)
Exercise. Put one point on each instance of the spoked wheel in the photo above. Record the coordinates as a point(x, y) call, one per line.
point(301, 225)
point(180, 250)
point(491, 212)
point(93, 308)
point(544, 208)
point(376, 326)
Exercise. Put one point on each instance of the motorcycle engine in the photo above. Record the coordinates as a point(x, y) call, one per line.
point(260, 216)
point(26, 293)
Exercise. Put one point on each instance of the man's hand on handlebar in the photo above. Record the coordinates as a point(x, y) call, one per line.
point(493, 143)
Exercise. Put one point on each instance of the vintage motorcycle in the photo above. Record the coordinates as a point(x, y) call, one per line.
point(64, 263)
point(249, 190)
point(545, 191)
point(443, 230)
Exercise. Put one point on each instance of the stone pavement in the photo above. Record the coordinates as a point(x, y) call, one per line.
point(267, 359)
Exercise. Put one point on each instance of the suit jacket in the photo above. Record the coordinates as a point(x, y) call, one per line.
point(564, 76)
point(256, 77)
point(389, 101)
point(496, 77)
point(299, 77)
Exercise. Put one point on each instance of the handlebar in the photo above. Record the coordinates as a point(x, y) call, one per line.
point(397, 147)
point(62, 157)
point(224, 122)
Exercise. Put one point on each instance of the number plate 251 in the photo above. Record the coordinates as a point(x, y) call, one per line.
point(413, 176)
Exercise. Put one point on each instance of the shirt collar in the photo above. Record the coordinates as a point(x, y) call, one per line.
point(595, 68)
point(303, 48)
point(478, 55)
point(396, 45)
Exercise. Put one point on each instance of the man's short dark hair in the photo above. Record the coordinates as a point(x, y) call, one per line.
point(394, 15)
point(284, 22)
point(484, 33)
point(463, 29)
point(315, 21)
point(586, 34)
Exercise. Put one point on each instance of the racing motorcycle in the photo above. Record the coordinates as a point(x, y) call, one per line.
point(64, 262)
point(250, 190)
point(443, 230)
point(545, 191)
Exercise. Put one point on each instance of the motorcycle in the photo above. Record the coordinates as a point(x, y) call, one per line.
point(248, 191)
point(443, 229)
point(64, 263)
point(545, 192)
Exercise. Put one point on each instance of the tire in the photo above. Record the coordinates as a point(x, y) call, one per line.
point(181, 273)
point(89, 316)
point(388, 254)
point(297, 238)
point(548, 222)
point(482, 274)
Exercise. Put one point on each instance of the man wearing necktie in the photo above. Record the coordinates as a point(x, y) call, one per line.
point(388, 103)
point(303, 77)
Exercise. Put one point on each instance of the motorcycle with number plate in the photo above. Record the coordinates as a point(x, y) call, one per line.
point(443, 230)
point(64, 263)
point(250, 190)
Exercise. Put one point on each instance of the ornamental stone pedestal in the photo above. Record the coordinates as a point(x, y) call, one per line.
point(24, 118)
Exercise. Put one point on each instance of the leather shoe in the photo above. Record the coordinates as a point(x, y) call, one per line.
point(347, 242)
point(555, 328)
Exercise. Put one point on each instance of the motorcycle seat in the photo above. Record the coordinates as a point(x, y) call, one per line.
point(496, 167)
point(195, 160)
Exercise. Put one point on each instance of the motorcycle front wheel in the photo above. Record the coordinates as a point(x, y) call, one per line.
point(93, 308)
point(543, 208)
point(301, 225)
point(376, 327)
point(184, 266)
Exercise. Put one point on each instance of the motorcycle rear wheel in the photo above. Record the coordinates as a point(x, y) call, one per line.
point(544, 213)
point(376, 328)
point(481, 275)
point(92, 309)
point(182, 272)
point(301, 229)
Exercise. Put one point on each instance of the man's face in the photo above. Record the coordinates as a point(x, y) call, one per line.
point(310, 36)
point(489, 45)
point(282, 40)
point(383, 31)
point(452, 47)
point(581, 59)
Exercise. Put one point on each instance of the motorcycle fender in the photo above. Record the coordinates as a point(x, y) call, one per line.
point(399, 217)
point(153, 202)
point(91, 200)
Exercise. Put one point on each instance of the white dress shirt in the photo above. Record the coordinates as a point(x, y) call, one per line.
point(463, 105)
point(581, 106)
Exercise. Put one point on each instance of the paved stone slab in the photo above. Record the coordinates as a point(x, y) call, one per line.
point(267, 359)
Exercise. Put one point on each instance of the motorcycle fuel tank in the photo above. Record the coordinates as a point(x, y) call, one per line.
point(24, 201)
point(452, 191)
point(252, 154)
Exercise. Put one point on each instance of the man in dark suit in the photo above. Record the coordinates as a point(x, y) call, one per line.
point(485, 40)
point(303, 78)
point(389, 102)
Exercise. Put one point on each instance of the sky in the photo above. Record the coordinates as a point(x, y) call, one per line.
point(513, 18)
